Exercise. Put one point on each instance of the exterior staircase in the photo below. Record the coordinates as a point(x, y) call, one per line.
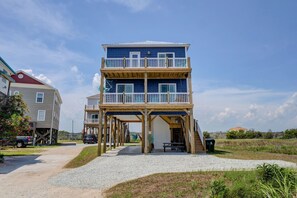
point(199, 139)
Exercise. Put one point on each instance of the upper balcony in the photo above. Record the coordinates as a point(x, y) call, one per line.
point(154, 67)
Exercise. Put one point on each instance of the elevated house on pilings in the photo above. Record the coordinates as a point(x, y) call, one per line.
point(43, 102)
point(150, 82)
point(91, 123)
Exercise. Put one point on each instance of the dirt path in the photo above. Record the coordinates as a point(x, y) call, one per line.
point(31, 178)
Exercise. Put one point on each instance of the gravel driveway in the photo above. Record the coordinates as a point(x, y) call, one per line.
point(118, 166)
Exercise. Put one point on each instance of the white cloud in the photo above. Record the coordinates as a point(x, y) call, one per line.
point(38, 16)
point(41, 77)
point(77, 74)
point(96, 81)
point(222, 108)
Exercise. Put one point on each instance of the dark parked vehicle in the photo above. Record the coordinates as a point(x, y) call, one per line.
point(19, 141)
point(90, 139)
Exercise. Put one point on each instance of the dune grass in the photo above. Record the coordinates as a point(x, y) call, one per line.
point(188, 184)
point(257, 149)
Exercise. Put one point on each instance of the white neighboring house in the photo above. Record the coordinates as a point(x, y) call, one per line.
point(44, 103)
point(5, 78)
point(91, 121)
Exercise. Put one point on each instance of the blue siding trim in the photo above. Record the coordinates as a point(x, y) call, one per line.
point(125, 52)
point(153, 84)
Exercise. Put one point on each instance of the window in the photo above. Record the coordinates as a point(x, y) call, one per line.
point(167, 87)
point(164, 89)
point(41, 115)
point(166, 59)
point(16, 93)
point(128, 89)
point(94, 118)
point(39, 97)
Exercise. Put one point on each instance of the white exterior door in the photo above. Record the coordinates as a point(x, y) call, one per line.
point(134, 59)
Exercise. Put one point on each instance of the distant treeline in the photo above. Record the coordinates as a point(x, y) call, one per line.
point(251, 134)
point(65, 135)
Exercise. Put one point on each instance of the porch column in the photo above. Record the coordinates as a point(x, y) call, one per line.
point(146, 145)
point(99, 132)
point(110, 131)
point(142, 134)
point(192, 132)
point(114, 132)
point(187, 133)
point(105, 133)
point(145, 88)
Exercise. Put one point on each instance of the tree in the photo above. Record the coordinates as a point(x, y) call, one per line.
point(206, 134)
point(13, 119)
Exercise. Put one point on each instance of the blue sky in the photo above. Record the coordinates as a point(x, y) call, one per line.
point(243, 53)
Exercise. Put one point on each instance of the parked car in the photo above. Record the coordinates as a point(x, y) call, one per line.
point(90, 139)
point(18, 141)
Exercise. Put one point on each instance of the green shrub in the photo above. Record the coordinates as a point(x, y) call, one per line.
point(218, 189)
point(290, 133)
point(275, 181)
point(268, 135)
point(231, 135)
point(206, 134)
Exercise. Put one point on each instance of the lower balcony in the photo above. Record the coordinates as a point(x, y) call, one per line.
point(92, 121)
point(152, 98)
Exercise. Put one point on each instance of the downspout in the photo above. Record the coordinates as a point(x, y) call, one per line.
point(52, 122)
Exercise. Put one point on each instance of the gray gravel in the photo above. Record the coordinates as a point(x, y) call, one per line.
point(112, 168)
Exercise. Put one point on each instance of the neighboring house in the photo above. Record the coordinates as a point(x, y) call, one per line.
point(5, 78)
point(238, 129)
point(91, 120)
point(44, 103)
point(149, 82)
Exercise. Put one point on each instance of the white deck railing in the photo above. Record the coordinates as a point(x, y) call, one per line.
point(145, 62)
point(139, 98)
point(198, 130)
point(91, 120)
point(92, 107)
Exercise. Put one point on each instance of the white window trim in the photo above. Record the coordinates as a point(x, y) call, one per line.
point(160, 84)
point(173, 57)
point(37, 97)
point(38, 113)
point(138, 60)
point(124, 84)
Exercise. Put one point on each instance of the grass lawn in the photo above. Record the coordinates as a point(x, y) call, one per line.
point(29, 150)
point(258, 149)
point(76, 141)
point(85, 156)
point(189, 184)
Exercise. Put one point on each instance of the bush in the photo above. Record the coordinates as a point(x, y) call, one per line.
point(290, 133)
point(206, 134)
point(268, 135)
point(231, 135)
point(276, 181)
point(218, 189)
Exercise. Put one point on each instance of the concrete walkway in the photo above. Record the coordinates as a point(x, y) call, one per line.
point(124, 164)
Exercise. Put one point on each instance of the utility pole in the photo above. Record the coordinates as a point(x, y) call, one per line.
point(72, 129)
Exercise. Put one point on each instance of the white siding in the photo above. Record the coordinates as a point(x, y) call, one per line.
point(161, 132)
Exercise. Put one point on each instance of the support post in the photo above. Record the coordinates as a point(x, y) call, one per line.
point(142, 134)
point(192, 132)
point(110, 131)
point(187, 138)
point(99, 133)
point(114, 132)
point(146, 149)
point(105, 133)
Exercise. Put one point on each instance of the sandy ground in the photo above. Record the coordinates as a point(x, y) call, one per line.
point(28, 176)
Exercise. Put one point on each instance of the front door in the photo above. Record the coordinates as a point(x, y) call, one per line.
point(134, 59)
point(166, 59)
point(177, 136)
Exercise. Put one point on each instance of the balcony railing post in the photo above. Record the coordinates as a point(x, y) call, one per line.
point(124, 98)
point(168, 97)
point(102, 62)
point(145, 62)
point(166, 63)
point(124, 62)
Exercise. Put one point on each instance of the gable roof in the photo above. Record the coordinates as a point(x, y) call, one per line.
point(8, 67)
point(30, 80)
point(147, 44)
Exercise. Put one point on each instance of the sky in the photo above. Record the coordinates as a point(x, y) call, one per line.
point(243, 53)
